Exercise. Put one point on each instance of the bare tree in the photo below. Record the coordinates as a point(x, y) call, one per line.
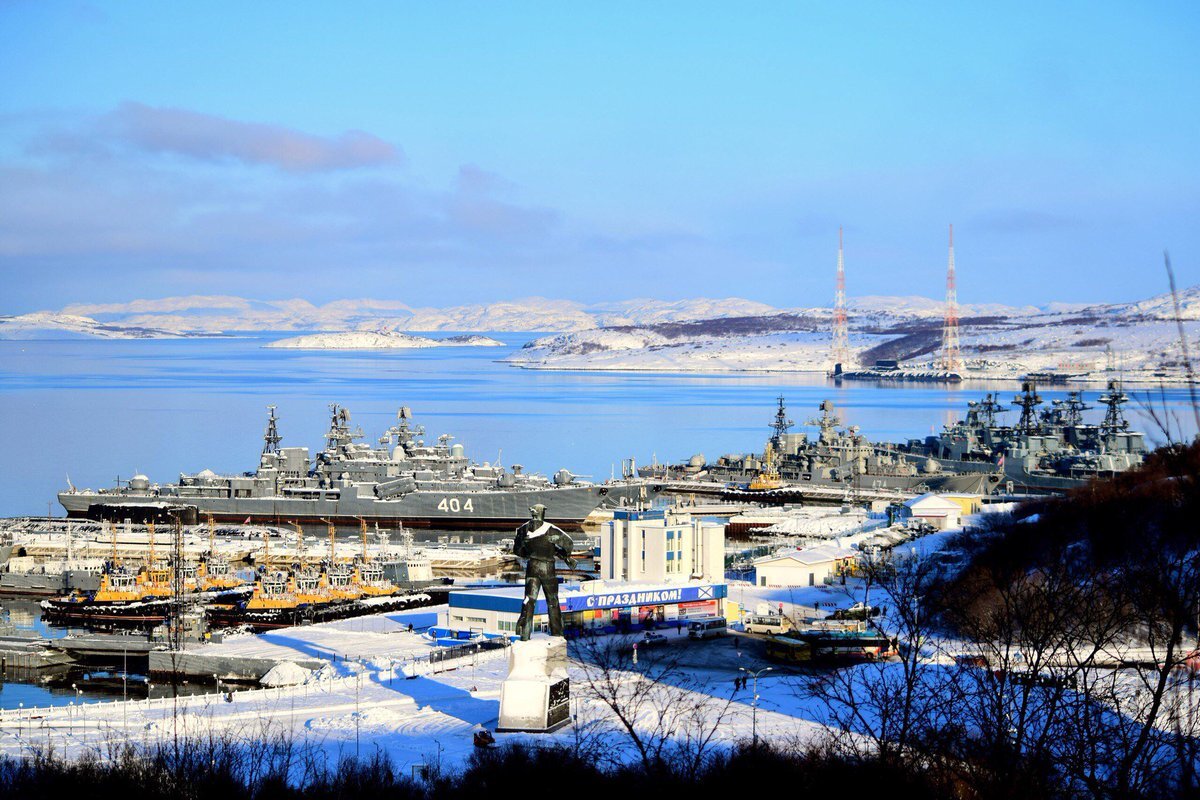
point(670, 716)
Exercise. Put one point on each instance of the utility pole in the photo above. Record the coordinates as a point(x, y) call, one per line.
point(841, 335)
point(754, 703)
point(951, 354)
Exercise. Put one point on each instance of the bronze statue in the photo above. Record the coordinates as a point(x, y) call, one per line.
point(541, 543)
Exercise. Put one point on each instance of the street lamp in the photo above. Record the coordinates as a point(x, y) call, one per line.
point(754, 703)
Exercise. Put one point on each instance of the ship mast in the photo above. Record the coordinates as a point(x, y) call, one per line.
point(271, 438)
point(1114, 420)
point(1028, 401)
point(1073, 408)
point(781, 425)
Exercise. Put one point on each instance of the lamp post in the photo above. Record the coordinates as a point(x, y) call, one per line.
point(754, 703)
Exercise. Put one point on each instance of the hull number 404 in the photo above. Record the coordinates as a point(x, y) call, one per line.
point(453, 505)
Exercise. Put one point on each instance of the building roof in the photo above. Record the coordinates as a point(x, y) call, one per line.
point(932, 502)
point(810, 555)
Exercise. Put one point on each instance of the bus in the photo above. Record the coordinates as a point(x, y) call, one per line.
point(770, 624)
point(706, 627)
point(784, 648)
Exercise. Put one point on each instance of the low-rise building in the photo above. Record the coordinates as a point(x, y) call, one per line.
point(942, 512)
point(811, 566)
point(661, 546)
point(603, 605)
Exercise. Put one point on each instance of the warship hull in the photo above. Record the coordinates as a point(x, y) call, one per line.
point(566, 506)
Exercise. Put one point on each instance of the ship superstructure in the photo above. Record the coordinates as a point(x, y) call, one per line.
point(401, 479)
point(1047, 448)
point(836, 457)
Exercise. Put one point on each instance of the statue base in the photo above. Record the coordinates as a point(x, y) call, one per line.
point(536, 696)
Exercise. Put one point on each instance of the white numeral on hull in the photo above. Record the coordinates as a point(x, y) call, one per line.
point(454, 506)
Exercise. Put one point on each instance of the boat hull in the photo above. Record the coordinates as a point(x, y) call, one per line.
point(566, 506)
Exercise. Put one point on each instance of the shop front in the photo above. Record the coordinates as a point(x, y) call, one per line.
point(597, 607)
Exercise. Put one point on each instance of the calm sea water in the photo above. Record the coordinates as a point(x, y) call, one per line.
point(94, 410)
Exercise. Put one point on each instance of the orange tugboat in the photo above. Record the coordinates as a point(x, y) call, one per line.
point(124, 599)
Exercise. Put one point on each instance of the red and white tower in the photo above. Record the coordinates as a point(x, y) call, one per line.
point(841, 334)
point(951, 354)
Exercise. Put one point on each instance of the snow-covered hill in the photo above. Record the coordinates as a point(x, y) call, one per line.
point(378, 340)
point(208, 314)
point(52, 325)
point(1141, 339)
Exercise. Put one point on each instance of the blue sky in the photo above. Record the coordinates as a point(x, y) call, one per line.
point(449, 153)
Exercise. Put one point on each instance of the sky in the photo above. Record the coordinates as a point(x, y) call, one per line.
point(449, 153)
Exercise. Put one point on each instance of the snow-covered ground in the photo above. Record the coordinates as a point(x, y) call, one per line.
point(1139, 340)
point(208, 314)
point(53, 325)
point(366, 701)
point(378, 340)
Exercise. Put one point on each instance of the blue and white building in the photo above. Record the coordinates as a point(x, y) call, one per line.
point(661, 546)
point(606, 606)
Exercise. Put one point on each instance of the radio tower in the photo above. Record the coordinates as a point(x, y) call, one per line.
point(841, 337)
point(951, 355)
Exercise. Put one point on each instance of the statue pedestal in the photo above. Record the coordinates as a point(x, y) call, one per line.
point(536, 696)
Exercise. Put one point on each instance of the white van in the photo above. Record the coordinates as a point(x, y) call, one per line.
point(706, 627)
point(770, 624)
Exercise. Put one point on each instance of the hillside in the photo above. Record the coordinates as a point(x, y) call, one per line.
point(997, 341)
point(377, 340)
point(210, 314)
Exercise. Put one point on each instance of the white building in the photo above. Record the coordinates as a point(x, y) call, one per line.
point(661, 547)
point(940, 512)
point(811, 566)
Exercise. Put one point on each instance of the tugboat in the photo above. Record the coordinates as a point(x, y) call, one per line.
point(124, 598)
point(306, 596)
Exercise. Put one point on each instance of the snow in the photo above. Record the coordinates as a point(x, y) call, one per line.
point(1005, 343)
point(209, 314)
point(286, 673)
point(378, 340)
point(52, 325)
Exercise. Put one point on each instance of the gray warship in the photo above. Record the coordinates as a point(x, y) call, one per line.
point(1051, 449)
point(842, 458)
point(402, 480)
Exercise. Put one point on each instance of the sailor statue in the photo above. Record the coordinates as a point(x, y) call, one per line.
point(542, 544)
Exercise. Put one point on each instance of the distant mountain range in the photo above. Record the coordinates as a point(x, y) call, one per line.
point(220, 314)
point(696, 334)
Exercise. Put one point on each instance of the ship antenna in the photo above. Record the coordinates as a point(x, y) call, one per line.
point(271, 438)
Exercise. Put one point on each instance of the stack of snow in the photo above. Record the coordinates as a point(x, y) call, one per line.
point(825, 526)
point(285, 673)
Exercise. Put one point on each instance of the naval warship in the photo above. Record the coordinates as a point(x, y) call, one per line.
point(842, 458)
point(400, 480)
point(1051, 449)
